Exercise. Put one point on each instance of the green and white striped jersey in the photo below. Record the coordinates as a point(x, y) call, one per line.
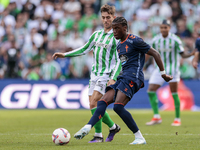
point(105, 57)
point(169, 49)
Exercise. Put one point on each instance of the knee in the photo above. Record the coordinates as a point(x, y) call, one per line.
point(93, 103)
point(117, 108)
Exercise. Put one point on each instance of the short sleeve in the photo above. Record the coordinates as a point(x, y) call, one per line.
point(140, 45)
point(197, 44)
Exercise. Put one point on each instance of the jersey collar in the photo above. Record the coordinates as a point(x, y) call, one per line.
point(109, 32)
point(167, 36)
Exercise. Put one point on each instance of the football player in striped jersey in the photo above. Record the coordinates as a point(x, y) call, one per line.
point(170, 48)
point(105, 68)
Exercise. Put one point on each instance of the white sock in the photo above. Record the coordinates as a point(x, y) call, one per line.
point(178, 119)
point(98, 134)
point(88, 126)
point(156, 116)
point(113, 127)
point(138, 134)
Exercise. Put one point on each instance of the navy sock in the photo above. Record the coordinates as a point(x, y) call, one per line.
point(99, 113)
point(126, 117)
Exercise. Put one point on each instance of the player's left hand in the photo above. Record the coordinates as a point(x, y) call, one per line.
point(167, 78)
point(111, 82)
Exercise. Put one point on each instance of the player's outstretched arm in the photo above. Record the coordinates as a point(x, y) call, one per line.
point(159, 62)
point(184, 55)
point(58, 55)
point(195, 60)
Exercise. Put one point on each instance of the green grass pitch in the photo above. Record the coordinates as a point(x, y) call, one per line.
point(32, 129)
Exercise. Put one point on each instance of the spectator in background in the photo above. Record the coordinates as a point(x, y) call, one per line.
point(88, 17)
point(14, 11)
point(13, 60)
point(54, 28)
point(164, 8)
point(20, 31)
point(144, 13)
point(3, 66)
point(137, 26)
point(64, 64)
point(72, 7)
point(154, 23)
point(29, 8)
point(128, 10)
point(56, 44)
point(185, 6)
point(176, 10)
point(86, 4)
point(78, 67)
point(31, 73)
point(196, 6)
point(192, 18)
point(182, 30)
point(50, 69)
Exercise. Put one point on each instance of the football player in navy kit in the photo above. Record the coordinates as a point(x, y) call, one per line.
point(131, 51)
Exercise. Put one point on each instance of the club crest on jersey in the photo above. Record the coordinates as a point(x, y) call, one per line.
point(123, 59)
point(101, 45)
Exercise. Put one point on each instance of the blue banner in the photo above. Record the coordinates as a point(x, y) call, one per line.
point(69, 94)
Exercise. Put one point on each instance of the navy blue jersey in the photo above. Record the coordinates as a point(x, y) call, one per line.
point(132, 55)
point(197, 44)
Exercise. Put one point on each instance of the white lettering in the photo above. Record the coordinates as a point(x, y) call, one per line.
point(22, 97)
point(64, 94)
point(47, 96)
point(84, 100)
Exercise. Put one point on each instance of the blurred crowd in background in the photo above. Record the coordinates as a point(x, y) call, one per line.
point(32, 30)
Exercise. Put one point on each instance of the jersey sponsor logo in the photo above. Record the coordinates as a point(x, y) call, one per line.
point(101, 45)
point(130, 41)
point(164, 50)
point(123, 59)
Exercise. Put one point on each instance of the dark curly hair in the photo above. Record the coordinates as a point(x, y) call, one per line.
point(121, 20)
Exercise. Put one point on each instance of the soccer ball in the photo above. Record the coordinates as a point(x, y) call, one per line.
point(60, 136)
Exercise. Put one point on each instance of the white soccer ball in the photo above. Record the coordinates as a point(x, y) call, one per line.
point(61, 136)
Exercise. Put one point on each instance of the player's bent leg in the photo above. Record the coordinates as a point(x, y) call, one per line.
point(98, 137)
point(120, 102)
point(101, 108)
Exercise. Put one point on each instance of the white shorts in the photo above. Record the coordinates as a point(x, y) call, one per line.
point(98, 83)
point(156, 78)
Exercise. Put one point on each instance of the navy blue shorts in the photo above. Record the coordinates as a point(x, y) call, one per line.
point(127, 86)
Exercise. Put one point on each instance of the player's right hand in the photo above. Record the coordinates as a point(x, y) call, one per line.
point(167, 78)
point(56, 55)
